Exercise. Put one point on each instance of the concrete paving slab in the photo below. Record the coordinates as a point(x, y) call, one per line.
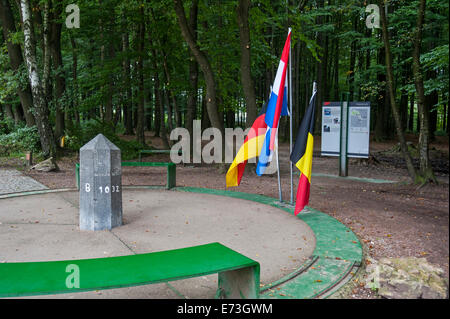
point(43, 242)
point(50, 208)
point(155, 291)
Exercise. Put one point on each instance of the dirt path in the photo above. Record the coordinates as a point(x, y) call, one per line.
point(392, 220)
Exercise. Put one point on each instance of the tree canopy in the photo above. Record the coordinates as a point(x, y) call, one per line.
point(135, 66)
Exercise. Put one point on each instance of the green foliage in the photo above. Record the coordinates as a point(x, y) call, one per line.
point(437, 60)
point(100, 78)
point(8, 79)
point(7, 125)
point(21, 139)
point(87, 130)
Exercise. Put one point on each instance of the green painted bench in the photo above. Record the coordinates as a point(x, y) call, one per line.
point(157, 152)
point(238, 275)
point(171, 171)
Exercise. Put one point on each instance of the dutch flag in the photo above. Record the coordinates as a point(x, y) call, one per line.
point(276, 107)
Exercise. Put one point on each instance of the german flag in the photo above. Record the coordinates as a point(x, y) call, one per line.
point(302, 155)
point(251, 148)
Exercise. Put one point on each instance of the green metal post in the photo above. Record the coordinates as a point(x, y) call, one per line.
point(343, 161)
point(171, 175)
point(77, 175)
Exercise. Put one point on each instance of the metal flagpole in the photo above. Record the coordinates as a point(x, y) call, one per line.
point(290, 147)
point(280, 195)
point(290, 120)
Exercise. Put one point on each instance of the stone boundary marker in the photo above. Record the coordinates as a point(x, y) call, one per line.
point(100, 185)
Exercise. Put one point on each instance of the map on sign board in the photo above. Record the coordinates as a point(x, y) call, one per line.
point(358, 129)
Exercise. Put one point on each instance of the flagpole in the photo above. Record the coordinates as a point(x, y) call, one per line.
point(314, 89)
point(290, 120)
point(280, 195)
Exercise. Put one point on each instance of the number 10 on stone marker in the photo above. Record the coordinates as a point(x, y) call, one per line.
point(103, 189)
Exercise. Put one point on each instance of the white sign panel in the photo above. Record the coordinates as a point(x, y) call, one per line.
point(331, 126)
point(358, 129)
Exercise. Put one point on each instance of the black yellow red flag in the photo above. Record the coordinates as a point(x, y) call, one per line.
point(302, 154)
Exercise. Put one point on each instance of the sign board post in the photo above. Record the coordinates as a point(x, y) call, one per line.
point(100, 185)
point(343, 171)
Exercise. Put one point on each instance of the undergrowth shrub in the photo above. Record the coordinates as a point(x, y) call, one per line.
point(20, 139)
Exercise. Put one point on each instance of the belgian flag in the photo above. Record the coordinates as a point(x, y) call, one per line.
point(302, 155)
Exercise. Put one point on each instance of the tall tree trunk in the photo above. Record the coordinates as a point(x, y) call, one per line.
point(431, 100)
point(109, 113)
point(444, 120)
point(15, 57)
point(446, 117)
point(191, 107)
point(75, 97)
point(162, 116)
point(336, 63)
point(149, 112)
point(169, 109)
point(351, 75)
point(43, 124)
point(171, 98)
point(200, 56)
point(140, 137)
point(110, 55)
point(8, 111)
point(159, 105)
point(17, 114)
point(325, 94)
point(248, 86)
point(320, 71)
point(390, 81)
point(102, 57)
point(296, 85)
point(411, 113)
point(426, 170)
point(205, 118)
point(380, 121)
point(60, 82)
point(45, 26)
point(127, 107)
point(157, 112)
point(404, 99)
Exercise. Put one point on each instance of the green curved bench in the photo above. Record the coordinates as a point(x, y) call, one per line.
point(238, 274)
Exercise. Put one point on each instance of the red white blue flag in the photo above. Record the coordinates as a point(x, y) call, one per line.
point(276, 107)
